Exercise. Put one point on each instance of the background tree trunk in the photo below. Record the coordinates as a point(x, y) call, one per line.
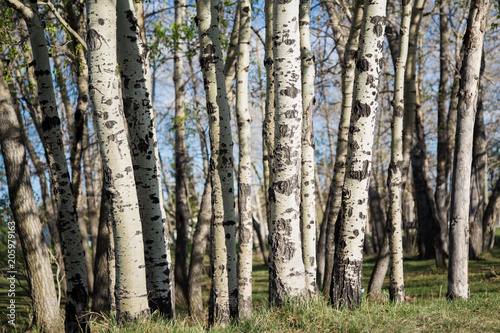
point(458, 284)
point(46, 314)
point(244, 119)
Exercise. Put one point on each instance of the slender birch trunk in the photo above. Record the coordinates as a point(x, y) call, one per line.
point(46, 314)
point(288, 274)
point(105, 94)
point(268, 124)
point(77, 300)
point(394, 180)
point(181, 159)
point(458, 282)
point(200, 237)
point(308, 186)
point(489, 217)
point(132, 55)
point(223, 294)
point(202, 231)
point(441, 192)
point(410, 87)
point(335, 193)
point(244, 120)
point(346, 284)
point(478, 176)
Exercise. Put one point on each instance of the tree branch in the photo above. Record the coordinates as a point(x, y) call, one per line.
point(64, 23)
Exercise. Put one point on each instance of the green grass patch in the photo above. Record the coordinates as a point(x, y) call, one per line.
point(426, 308)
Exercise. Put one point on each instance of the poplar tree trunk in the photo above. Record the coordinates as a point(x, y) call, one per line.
point(244, 119)
point(130, 290)
point(394, 179)
point(181, 159)
point(268, 124)
point(308, 185)
point(132, 58)
point(478, 177)
point(200, 237)
point(441, 192)
point(77, 300)
point(489, 218)
point(458, 284)
point(46, 314)
point(346, 283)
point(101, 297)
point(287, 280)
point(202, 231)
point(223, 293)
point(335, 195)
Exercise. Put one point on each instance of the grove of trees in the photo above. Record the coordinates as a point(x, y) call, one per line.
point(139, 138)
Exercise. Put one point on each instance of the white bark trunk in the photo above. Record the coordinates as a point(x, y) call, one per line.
point(346, 287)
point(77, 302)
point(244, 120)
point(287, 267)
point(132, 58)
point(105, 94)
point(458, 281)
point(308, 185)
point(394, 181)
point(223, 295)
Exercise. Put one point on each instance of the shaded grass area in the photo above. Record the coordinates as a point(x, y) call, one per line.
point(426, 308)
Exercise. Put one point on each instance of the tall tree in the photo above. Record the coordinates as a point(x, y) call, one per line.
point(243, 120)
point(77, 300)
point(335, 195)
point(458, 281)
point(287, 278)
point(133, 64)
point(308, 186)
point(223, 293)
point(46, 314)
point(346, 283)
point(109, 119)
point(478, 176)
point(181, 159)
point(441, 193)
point(394, 179)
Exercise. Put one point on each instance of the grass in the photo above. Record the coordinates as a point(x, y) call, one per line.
point(426, 309)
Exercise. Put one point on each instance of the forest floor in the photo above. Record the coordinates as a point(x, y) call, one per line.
point(426, 308)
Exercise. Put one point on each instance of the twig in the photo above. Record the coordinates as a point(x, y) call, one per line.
point(65, 24)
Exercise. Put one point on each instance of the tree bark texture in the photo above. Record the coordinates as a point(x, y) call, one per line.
point(489, 217)
point(132, 58)
point(181, 160)
point(77, 292)
point(441, 192)
point(26, 223)
point(287, 280)
point(478, 176)
point(458, 281)
point(200, 238)
point(109, 119)
point(346, 283)
point(243, 120)
point(335, 193)
point(394, 179)
point(223, 294)
point(308, 182)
